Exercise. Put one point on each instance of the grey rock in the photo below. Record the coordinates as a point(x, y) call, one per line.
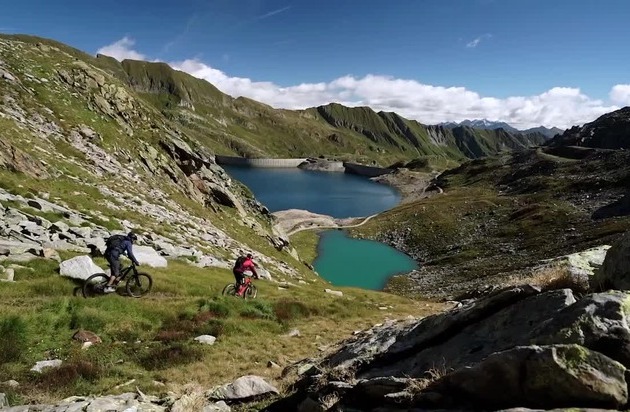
point(41, 365)
point(63, 245)
point(334, 292)
point(206, 339)
point(80, 267)
point(59, 226)
point(615, 272)
point(598, 321)
point(534, 377)
point(244, 388)
point(11, 383)
point(146, 255)
point(4, 402)
point(17, 248)
point(82, 231)
point(9, 274)
point(211, 261)
point(375, 389)
point(43, 206)
point(220, 406)
point(273, 365)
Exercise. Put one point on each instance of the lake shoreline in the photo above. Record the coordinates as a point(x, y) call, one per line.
point(411, 186)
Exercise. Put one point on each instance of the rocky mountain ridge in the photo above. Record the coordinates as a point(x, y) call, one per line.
point(234, 126)
point(516, 347)
point(609, 131)
point(492, 125)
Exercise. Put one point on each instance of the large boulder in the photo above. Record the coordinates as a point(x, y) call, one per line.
point(80, 267)
point(582, 348)
point(558, 376)
point(244, 388)
point(615, 272)
point(146, 255)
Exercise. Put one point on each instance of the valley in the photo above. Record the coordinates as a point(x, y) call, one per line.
point(492, 220)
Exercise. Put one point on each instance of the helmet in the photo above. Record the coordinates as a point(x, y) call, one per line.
point(132, 236)
point(249, 256)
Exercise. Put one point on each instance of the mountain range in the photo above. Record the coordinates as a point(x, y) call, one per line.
point(244, 127)
point(90, 146)
point(493, 125)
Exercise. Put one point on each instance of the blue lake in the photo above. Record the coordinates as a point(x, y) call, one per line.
point(335, 194)
point(341, 260)
point(345, 261)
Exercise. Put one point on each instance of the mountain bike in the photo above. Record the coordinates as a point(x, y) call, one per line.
point(250, 289)
point(138, 284)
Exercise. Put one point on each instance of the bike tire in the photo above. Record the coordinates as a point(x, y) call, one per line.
point(250, 292)
point(139, 285)
point(229, 290)
point(89, 286)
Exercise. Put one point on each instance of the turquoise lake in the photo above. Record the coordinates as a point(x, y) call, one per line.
point(345, 261)
point(335, 194)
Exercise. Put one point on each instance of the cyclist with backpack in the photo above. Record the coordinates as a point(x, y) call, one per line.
point(117, 245)
point(242, 264)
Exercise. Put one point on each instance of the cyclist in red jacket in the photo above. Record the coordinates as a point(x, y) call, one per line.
point(242, 264)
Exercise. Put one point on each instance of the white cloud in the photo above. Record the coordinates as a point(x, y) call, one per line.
point(560, 106)
point(620, 94)
point(121, 50)
point(474, 43)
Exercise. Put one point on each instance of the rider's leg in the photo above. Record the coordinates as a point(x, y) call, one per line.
point(114, 266)
point(239, 281)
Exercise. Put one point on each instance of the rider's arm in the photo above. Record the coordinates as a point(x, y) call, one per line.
point(251, 266)
point(130, 253)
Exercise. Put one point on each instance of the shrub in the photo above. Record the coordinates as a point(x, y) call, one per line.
point(219, 309)
point(258, 310)
point(286, 310)
point(175, 355)
point(13, 339)
point(67, 374)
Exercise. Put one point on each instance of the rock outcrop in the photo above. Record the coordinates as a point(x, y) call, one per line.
point(517, 347)
point(610, 131)
point(615, 272)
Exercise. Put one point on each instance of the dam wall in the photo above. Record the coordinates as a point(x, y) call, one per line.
point(330, 166)
point(270, 163)
point(363, 170)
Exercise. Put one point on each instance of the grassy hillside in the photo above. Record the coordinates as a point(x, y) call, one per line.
point(151, 339)
point(241, 126)
point(501, 215)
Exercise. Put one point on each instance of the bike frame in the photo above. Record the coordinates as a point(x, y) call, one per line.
point(125, 271)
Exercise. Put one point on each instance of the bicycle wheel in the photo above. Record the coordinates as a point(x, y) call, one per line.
point(94, 285)
point(229, 290)
point(250, 292)
point(139, 285)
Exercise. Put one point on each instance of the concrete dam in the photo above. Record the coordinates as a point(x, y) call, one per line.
point(354, 168)
point(242, 161)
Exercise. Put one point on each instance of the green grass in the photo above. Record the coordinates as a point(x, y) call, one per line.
point(151, 338)
point(305, 242)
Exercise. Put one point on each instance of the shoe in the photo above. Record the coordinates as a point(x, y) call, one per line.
point(109, 289)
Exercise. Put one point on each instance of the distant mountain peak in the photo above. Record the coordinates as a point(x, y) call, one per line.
point(496, 124)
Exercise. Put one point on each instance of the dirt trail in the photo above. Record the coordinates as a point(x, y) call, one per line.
point(331, 227)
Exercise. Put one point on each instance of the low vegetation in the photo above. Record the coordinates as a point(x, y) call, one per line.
point(503, 215)
point(151, 339)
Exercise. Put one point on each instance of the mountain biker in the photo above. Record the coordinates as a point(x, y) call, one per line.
point(118, 245)
point(242, 264)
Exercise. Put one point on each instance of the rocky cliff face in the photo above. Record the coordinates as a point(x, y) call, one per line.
point(610, 131)
point(73, 133)
point(391, 129)
point(514, 348)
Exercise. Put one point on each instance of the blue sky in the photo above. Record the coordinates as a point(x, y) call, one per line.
point(495, 49)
